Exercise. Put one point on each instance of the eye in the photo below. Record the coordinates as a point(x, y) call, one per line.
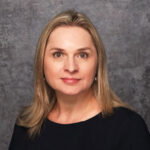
point(57, 54)
point(83, 55)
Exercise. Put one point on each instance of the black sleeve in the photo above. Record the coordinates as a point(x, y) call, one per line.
point(18, 139)
point(134, 134)
point(11, 142)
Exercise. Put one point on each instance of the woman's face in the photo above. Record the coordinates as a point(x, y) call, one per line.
point(70, 60)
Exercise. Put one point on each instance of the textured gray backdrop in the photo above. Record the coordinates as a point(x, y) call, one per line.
point(124, 26)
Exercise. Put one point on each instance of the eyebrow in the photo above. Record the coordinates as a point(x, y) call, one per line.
point(80, 49)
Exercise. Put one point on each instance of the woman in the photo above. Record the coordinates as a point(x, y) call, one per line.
point(73, 105)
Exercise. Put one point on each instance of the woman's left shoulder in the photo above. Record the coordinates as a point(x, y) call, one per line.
point(126, 119)
point(132, 129)
point(131, 122)
point(127, 115)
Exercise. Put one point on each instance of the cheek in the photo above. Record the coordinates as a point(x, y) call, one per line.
point(89, 72)
point(51, 69)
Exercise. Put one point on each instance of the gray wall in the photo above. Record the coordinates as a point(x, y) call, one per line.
point(124, 26)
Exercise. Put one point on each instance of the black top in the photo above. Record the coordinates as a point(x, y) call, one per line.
point(124, 130)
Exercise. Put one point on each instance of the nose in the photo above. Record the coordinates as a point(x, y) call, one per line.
point(71, 65)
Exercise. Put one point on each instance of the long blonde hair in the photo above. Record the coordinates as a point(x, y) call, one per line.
point(44, 97)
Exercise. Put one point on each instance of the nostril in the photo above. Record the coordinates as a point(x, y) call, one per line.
point(71, 70)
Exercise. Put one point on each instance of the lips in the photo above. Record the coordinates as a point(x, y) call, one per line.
point(70, 80)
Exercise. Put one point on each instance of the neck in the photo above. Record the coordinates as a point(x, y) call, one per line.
point(69, 108)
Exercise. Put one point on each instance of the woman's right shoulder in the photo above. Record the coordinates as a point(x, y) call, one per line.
point(19, 129)
point(19, 135)
point(19, 132)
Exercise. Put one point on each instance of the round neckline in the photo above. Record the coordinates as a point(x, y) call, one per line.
point(95, 117)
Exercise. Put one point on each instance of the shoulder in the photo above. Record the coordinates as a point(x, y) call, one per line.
point(124, 120)
point(124, 115)
point(130, 118)
point(127, 116)
point(124, 112)
point(132, 130)
point(19, 130)
point(19, 136)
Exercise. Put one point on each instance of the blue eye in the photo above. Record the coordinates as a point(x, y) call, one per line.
point(57, 54)
point(83, 55)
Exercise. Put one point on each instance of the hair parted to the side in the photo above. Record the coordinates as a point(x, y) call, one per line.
point(44, 97)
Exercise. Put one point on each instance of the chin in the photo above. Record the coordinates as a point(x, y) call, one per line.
point(71, 92)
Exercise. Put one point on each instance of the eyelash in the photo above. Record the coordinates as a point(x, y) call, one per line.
point(54, 54)
point(85, 54)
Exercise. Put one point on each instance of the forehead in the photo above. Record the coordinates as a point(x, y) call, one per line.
point(70, 33)
point(67, 28)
